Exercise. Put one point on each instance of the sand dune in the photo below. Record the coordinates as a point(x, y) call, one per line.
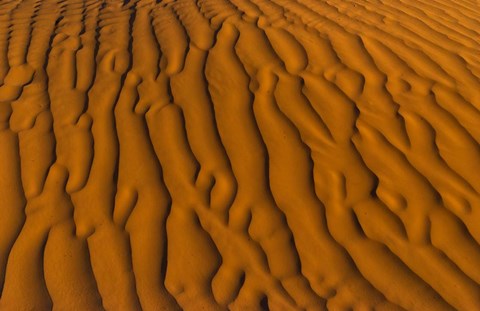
point(239, 154)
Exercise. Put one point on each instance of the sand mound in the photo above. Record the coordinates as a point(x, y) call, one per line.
point(239, 154)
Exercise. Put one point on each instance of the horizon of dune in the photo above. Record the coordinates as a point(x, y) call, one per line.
point(239, 155)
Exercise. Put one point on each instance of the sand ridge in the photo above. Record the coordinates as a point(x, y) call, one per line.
point(239, 154)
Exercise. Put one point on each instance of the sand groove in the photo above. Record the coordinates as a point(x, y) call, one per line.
point(239, 154)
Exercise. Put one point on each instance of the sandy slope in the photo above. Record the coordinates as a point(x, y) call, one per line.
point(240, 154)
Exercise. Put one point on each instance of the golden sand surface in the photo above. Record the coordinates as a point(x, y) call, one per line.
point(239, 155)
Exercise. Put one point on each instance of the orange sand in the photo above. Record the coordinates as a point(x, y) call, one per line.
point(240, 155)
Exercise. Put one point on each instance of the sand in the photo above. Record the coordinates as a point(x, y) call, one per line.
point(239, 155)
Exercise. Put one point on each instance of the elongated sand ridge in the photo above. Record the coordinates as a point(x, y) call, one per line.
point(239, 155)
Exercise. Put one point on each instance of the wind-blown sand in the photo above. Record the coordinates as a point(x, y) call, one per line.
point(240, 154)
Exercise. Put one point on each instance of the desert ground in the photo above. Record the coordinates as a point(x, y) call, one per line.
point(239, 155)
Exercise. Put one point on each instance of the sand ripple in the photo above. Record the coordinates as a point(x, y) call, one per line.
point(239, 154)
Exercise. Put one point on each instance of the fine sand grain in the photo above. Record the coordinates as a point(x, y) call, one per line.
point(239, 155)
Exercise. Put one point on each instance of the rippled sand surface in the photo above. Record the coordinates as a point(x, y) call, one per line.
point(239, 155)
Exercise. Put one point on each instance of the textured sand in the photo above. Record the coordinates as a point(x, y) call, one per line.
point(239, 154)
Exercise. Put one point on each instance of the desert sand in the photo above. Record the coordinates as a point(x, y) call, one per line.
point(239, 155)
